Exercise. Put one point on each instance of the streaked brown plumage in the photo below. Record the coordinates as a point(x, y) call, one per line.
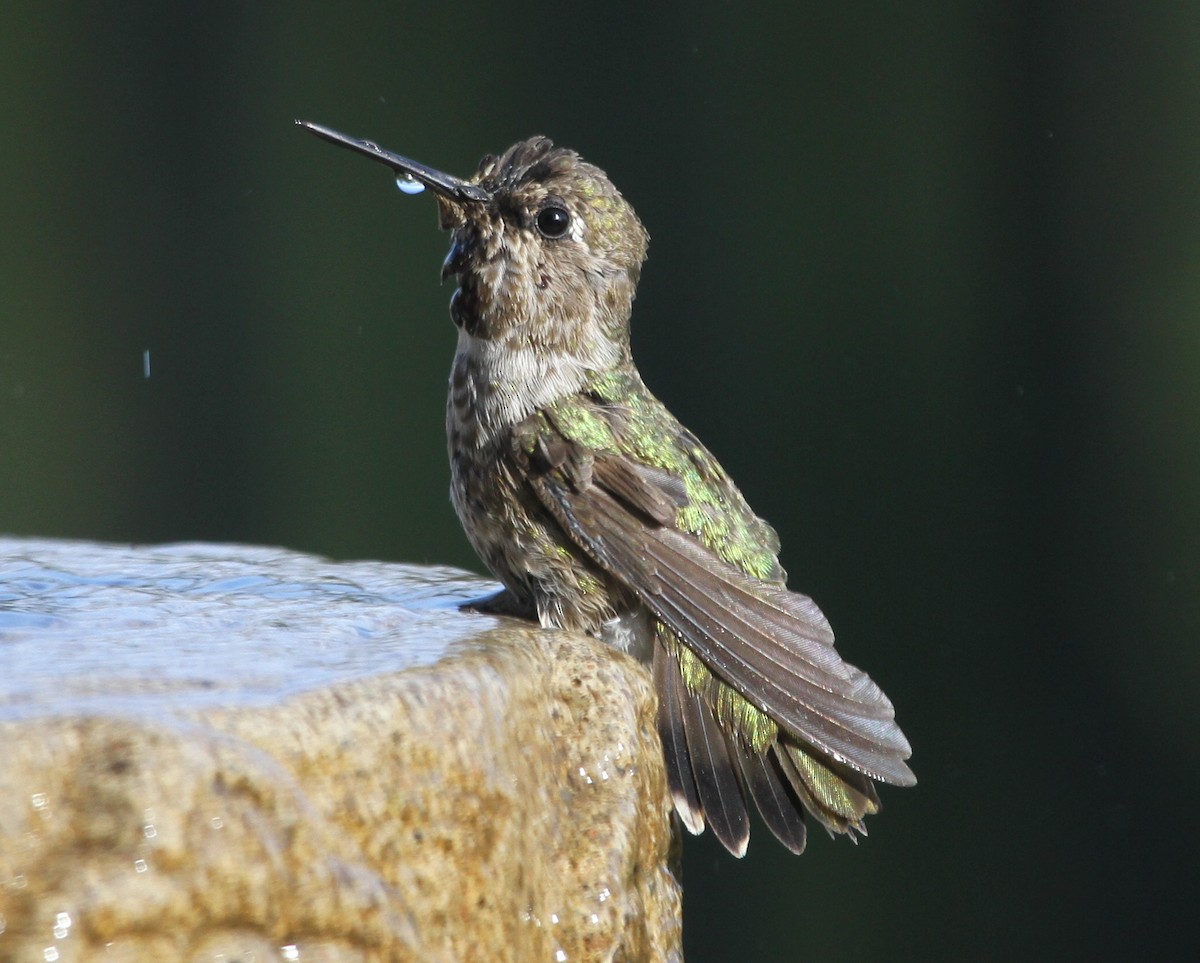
point(600, 512)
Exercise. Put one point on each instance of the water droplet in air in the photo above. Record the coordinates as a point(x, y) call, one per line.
point(409, 184)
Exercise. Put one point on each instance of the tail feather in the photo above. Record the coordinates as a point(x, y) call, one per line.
point(837, 796)
point(716, 775)
point(777, 802)
point(712, 773)
point(682, 782)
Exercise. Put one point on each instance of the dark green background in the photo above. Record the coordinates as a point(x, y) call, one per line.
point(926, 277)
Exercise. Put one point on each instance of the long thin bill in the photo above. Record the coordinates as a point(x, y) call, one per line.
point(440, 183)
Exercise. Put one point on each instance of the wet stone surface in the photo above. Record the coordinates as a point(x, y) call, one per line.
point(227, 752)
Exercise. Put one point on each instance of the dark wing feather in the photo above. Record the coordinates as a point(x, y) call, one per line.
point(772, 646)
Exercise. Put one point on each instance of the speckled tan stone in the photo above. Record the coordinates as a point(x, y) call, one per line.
point(497, 796)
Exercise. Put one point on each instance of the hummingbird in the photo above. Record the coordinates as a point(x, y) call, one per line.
point(599, 512)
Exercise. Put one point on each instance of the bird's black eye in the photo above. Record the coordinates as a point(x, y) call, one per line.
point(553, 222)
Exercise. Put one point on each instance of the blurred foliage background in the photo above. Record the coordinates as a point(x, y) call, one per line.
point(926, 277)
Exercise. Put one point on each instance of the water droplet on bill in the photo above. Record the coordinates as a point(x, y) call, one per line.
point(409, 184)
